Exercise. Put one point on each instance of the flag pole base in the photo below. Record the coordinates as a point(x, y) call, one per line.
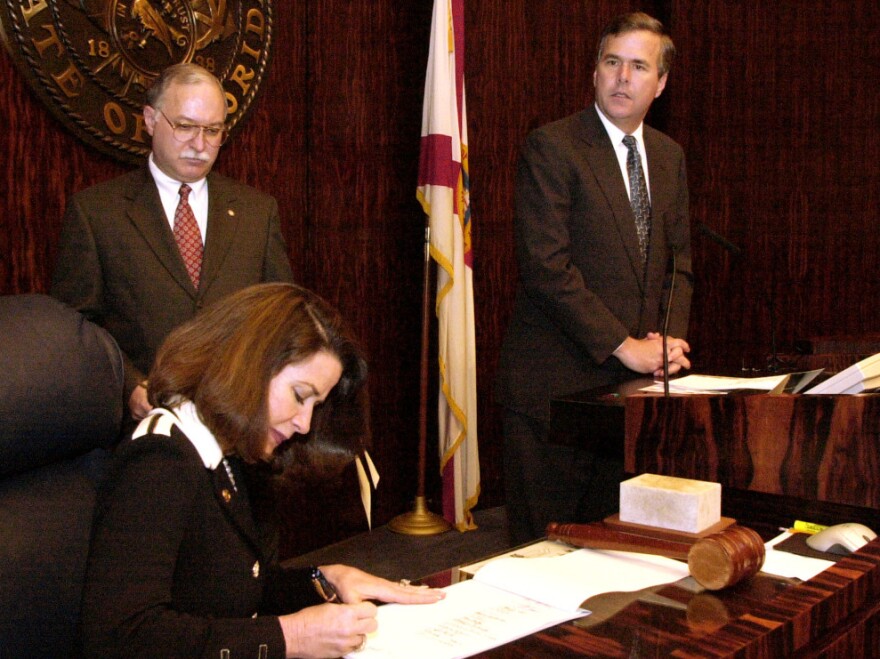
point(420, 521)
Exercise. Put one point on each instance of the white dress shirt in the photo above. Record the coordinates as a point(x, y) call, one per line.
point(621, 151)
point(169, 193)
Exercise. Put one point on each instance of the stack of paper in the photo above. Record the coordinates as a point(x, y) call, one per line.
point(791, 383)
point(859, 377)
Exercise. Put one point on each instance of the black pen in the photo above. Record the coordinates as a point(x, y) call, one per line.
point(323, 587)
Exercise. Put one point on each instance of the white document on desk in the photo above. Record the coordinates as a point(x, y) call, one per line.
point(786, 564)
point(716, 384)
point(510, 598)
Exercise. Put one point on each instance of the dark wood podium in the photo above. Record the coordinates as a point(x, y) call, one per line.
point(819, 455)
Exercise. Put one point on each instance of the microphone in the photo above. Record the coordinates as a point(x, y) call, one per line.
point(669, 299)
point(718, 239)
point(773, 362)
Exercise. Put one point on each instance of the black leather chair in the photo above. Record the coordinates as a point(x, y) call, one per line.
point(60, 411)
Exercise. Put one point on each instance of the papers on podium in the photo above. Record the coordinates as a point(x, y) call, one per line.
point(719, 384)
point(861, 376)
point(509, 598)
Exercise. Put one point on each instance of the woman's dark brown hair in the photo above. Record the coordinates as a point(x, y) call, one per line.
point(224, 359)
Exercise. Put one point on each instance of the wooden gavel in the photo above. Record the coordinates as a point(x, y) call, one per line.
point(715, 561)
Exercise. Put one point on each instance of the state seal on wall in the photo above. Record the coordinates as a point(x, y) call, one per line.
point(91, 61)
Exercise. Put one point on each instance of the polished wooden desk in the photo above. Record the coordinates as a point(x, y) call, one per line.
point(836, 614)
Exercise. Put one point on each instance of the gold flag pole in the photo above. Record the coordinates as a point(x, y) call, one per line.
point(421, 521)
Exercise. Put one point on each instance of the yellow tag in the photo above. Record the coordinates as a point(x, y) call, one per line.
point(807, 527)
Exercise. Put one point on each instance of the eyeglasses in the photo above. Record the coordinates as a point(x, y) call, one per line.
point(214, 135)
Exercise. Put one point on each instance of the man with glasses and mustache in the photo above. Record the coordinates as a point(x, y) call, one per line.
point(145, 252)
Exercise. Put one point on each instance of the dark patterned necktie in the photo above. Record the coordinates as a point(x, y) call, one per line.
point(186, 233)
point(638, 193)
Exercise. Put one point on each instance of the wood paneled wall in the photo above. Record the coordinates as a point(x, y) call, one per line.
point(777, 106)
point(775, 103)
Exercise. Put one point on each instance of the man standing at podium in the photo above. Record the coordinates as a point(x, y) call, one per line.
point(601, 223)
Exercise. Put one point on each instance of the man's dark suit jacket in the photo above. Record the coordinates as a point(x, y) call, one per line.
point(582, 288)
point(118, 263)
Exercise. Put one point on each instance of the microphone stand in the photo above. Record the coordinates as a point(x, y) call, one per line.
point(669, 299)
point(774, 362)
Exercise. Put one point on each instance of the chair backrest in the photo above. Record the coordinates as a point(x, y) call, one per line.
point(61, 381)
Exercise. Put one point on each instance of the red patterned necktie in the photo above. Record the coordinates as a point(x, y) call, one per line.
point(186, 233)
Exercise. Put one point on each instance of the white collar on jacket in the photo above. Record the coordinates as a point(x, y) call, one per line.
point(186, 417)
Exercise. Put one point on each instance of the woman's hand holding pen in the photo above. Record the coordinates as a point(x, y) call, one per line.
point(328, 630)
point(332, 630)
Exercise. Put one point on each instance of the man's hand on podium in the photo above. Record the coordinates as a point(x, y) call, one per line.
point(646, 355)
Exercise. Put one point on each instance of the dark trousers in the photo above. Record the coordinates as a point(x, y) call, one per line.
point(547, 482)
